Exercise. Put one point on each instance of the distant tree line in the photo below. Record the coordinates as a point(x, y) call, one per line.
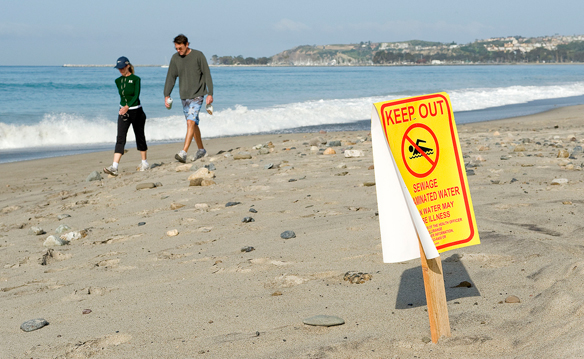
point(476, 52)
point(239, 60)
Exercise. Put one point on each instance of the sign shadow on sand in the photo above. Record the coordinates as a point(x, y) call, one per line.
point(411, 293)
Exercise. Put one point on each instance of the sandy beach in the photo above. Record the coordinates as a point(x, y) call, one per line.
point(129, 288)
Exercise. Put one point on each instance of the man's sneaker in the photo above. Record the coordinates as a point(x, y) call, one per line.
point(181, 157)
point(111, 170)
point(200, 153)
point(143, 167)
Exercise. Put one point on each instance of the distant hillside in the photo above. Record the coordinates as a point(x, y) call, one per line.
point(515, 49)
point(352, 54)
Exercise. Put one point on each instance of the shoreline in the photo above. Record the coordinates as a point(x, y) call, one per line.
point(224, 287)
point(463, 117)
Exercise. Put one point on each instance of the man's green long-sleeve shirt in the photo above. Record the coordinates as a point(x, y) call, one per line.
point(193, 73)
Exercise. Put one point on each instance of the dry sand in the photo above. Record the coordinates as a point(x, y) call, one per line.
point(197, 295)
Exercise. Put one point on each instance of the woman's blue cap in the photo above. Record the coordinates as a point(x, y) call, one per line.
point(122, 62)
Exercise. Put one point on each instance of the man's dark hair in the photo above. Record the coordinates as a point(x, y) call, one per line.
point(181, 40)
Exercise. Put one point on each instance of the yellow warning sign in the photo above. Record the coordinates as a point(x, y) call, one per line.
point(422, 136)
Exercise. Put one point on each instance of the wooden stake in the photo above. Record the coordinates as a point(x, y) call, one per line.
point(435, 296)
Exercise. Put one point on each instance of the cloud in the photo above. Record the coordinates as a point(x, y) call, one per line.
point(289, 25)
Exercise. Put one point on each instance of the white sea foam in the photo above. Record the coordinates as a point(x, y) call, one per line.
point(66, 129)
point(481, 98)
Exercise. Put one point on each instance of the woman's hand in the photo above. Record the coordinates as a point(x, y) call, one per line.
point(124, 110)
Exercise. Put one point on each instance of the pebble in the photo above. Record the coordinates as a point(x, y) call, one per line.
point(242, 156)
point(426, 340)
point(563, 154)
point(231, 204)
point(317, 141)
point(203, 173)
point(184, 168)
point(196, 182)
point(342, 166)
point(357, 277)
point(33, 324)
point(470, 172)
point(207, 182)
point(559, 181)
point(63, 216)
point(36, 231)
point(210, 167)
point(140, 186)
point(174, 206)
point(288, 235)
point(369, 184)
point(324, 321)
point(292, 180)
point(512, 299)
point(334, 143)
point(201, 206)
point(248, 219)
point(264, 151)
point(158, 184)
point(372, 167)
point(513, 180)
point(269, 166)
point(329, 151)
point(314, 149)
point(62, 228)
point(52, 241)
point(247, 249)
point(93, 176)
point(141, 223)
point(75, 235)
point(344, 173)
point(86, 311)
point(505, 157)
point(172, 233)
point(276, 294)
point(353, 153)
point(519, 148)
point(253, 210)
point(495, 181)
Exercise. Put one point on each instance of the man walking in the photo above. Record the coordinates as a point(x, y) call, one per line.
point(191, 67)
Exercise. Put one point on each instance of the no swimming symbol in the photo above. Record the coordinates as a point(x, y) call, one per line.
point(420, 150)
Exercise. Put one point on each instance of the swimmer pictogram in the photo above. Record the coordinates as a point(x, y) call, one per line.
point(416, 150)
point(420, 150)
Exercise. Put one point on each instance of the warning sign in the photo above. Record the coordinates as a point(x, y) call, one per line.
point(422, 137)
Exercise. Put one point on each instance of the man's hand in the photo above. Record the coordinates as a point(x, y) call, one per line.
point(209, 99)
point(166, 102)
point(123, 110)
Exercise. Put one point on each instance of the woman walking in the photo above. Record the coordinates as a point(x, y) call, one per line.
point(130, 113)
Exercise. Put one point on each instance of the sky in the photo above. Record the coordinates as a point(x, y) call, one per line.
point(35, 32)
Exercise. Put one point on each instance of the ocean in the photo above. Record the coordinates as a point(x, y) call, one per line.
point(55, 111)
